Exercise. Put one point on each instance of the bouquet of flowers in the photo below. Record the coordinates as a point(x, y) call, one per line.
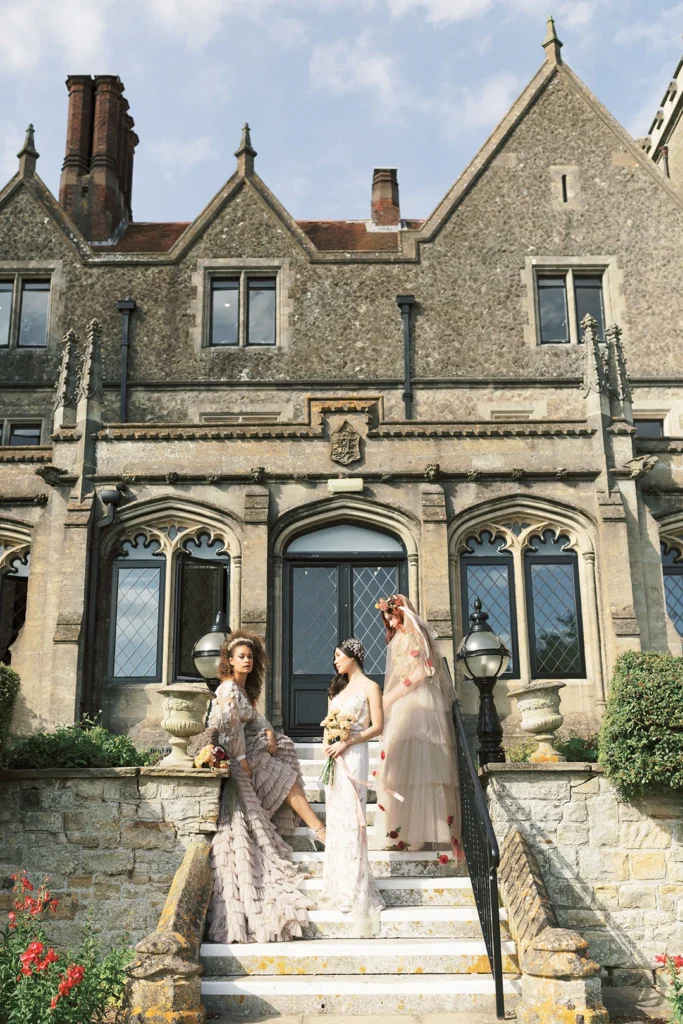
point(212, 757)
point(337, 728)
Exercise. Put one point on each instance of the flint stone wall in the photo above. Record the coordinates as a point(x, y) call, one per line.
point(111, 840)
point(613, 869)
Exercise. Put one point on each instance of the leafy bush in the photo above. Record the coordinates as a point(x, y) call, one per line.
point(9, 691)
point(641, 739)
point(573, 747)
point(83, 745)
point(39, 984)
point(520, 752)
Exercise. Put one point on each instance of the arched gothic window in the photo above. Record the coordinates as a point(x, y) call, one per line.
point(672, 567)
point(14, 571)
point(527, 577)
point(165, 580)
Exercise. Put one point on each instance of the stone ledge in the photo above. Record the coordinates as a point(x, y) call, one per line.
point(552, 767)
point(11, 774)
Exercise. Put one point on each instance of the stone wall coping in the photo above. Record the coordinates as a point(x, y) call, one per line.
point(551, 767)
point(10, 774)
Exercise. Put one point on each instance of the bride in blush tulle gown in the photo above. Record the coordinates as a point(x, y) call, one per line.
point(348, 884)
point(418, 755)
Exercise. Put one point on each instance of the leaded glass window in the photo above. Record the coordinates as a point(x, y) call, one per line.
point(672, 565)
point(137, 610)
point(315, 615)
point(553, 607)
point(369, 583)
point(202, 582)
point(487, 573)
point(13, 596)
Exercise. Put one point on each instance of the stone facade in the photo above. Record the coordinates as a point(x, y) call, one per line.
point(613, 869)
point(238, 443)
point(110, 839)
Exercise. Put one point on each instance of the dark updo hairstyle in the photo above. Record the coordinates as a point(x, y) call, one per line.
point(352, 648)
point(257, 676)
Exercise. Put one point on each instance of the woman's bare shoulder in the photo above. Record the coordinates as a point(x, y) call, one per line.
point(372, 687)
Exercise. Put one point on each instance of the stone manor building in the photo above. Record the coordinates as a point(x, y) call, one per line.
point(288, 419)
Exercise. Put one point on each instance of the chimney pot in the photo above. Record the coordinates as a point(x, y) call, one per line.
point(384, 207)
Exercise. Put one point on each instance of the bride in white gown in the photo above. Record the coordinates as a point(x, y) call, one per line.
point(348, 884)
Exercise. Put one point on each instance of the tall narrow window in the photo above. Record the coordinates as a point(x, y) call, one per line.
point(23, 434)
point(202, 582)
point(225, 311)
point(6, 289)
point(486, 572)
point(13, 594)
point(565, 197)
point(552, 310)
point(261, 311)
point(553, 607)
point(137, 609)
point(35, 302)
point(672, 566)
point(588, 294)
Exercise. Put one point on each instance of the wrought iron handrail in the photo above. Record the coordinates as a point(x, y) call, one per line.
point(482, 855)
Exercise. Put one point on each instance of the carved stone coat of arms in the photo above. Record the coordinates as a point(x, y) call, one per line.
point(345, 444)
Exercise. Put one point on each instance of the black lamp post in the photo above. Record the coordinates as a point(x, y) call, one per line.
point(484, 657)
point(207, 651)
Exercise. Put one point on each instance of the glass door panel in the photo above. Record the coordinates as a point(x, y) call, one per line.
point(370, 582)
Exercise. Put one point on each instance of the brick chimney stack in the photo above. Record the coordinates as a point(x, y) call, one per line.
point(97, 174)
point(385, 209)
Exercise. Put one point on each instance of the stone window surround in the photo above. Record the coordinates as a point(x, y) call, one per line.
point(580, 542)
point(612, 276)
point(20, 421)
point(169, 552)
point(31, 270)
point(207, 269)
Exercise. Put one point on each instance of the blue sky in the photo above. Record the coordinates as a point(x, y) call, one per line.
point(331, 88)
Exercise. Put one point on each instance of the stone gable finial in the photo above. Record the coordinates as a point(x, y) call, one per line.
point(90, 376)
point(65, 388)
point(595, 380)
point(28, 154)
point(551, 43)
point(619, 376)
point(245, 153)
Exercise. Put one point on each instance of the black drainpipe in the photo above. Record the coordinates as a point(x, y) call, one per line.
point(405, 304)
point(125, 307)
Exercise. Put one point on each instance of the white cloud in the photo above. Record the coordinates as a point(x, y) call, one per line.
point(178, 156)
point(492, 99)
point(354, 65)
point(35, 29)
point(197, 22)
point(440, 10)
point(11, 140)
point(657, 33)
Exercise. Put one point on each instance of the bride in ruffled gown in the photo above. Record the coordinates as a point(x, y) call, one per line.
point(348, 884)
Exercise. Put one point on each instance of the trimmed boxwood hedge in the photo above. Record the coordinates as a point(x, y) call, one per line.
point(9, 691)
point(641, 739)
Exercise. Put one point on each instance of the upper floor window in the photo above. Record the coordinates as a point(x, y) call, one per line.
point(21, 434)
point(563, 300)
point(649, 427)
point(24, 312)
point(243, 310)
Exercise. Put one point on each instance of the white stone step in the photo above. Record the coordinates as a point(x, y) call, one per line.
point(301, 840)
point(352, 957)
point(385, 863)
point(402, 923)
point(314, 766)
point(370, 809)
point(315, 791)
point(360, 994)
point(411, 892)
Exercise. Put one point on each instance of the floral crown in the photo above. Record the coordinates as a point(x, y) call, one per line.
point(388, 604)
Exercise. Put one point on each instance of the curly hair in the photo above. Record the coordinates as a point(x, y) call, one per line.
point(393, 606)
point(257, 676)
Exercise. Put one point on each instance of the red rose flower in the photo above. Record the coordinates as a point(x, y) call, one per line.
point(12, 919)
point(449, 819)
point(374, 773)
point(678, 960)
point(661, 958)
point(380, 807)
point(401, 845)
point(415, 654)
point(393, 834)
point(444, 858)
point(383, 755)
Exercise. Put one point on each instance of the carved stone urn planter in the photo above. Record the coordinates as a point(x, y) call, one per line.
point(184, 712)
point(539, 706)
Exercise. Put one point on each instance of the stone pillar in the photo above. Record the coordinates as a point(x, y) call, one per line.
point(435, 596)
point(254, 610)
point(617, 586)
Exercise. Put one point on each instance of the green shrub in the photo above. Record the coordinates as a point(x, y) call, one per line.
point(573, 747)
point(641, 739)
point(9, 691)
point(84, 745)
point(520, 752)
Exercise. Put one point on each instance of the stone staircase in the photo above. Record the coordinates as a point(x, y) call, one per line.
point(430, 956)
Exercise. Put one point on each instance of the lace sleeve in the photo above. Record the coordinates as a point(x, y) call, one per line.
point(225, 717)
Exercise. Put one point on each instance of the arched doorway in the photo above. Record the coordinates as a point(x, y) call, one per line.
point(333, 577)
